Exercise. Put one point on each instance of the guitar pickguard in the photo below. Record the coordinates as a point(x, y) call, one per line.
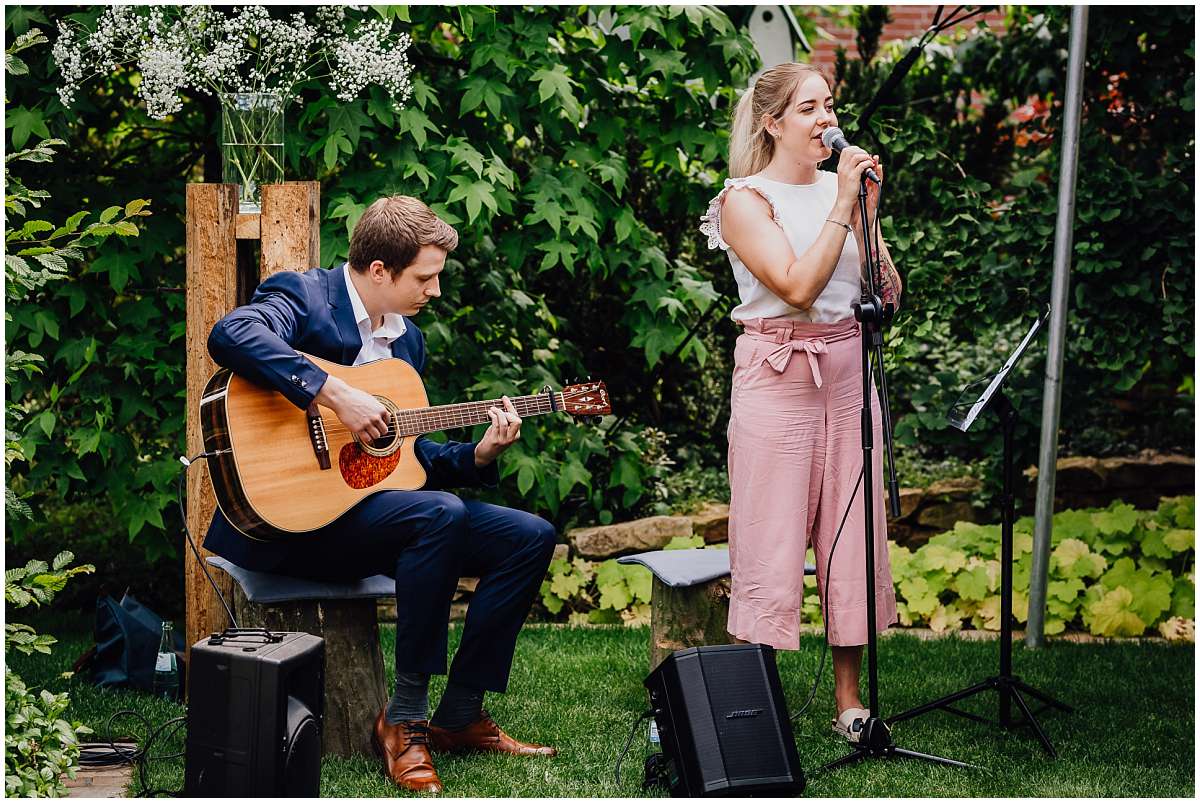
point(361, 470)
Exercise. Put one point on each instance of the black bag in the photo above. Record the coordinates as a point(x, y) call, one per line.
point(127, 638)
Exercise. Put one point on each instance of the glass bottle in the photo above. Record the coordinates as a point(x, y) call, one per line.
point(166, 670)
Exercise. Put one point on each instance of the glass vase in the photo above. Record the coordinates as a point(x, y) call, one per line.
point(252, 144)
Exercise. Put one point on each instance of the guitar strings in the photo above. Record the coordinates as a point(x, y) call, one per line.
point(450, 416)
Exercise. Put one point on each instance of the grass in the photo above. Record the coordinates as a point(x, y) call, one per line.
point(1132, 733)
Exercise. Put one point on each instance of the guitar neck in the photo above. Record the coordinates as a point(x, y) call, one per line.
point(422, 420)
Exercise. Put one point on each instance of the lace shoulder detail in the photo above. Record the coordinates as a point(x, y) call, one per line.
point(710, 221)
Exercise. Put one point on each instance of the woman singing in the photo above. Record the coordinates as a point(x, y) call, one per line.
point(794, 240)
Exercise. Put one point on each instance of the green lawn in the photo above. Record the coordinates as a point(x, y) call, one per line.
point(1132, 734)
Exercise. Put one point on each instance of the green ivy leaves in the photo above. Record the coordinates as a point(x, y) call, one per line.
point(1118, 570)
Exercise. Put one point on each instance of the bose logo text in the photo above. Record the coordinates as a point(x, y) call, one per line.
point(745, 712)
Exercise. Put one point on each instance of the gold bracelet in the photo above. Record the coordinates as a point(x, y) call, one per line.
point(843, 225)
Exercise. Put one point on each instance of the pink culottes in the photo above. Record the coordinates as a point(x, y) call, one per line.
point(795, 454)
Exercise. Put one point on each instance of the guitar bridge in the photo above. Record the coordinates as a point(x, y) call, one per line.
point(316, 434)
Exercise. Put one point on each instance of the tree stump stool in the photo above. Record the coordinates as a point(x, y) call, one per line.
point(687, 616)
point(344, 615)
point(689, 600)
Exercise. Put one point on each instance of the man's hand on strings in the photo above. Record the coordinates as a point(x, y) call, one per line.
point(503, 432)
point(360, 412)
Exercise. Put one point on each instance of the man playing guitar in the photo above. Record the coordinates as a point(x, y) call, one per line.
point(426, 538)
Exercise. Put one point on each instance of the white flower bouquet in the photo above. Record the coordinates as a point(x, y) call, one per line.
point(251, 61)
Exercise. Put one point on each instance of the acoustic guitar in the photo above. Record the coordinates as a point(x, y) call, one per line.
point(279, 472)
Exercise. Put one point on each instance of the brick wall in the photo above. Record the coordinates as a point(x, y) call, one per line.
point(907, 22)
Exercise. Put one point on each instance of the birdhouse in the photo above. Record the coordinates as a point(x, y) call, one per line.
point(774, 30)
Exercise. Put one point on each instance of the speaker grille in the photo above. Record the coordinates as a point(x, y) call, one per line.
point(302, 759)
point(744, 715)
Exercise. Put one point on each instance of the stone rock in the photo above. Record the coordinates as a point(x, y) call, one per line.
point(910, 500)
point(562, 552)
point(901, 533)
point(1079, 474)
point(712, 522)
point(628, 537)
point(1152, 470)
point(955, 488)
point(943, 515)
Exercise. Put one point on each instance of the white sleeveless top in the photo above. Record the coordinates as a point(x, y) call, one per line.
point(800, 210)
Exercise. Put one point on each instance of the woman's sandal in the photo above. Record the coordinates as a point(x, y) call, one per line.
point(850, 723)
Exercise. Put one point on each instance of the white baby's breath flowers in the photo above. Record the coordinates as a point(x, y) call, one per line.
point(199, 48)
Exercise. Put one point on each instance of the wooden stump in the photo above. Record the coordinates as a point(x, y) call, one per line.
point(355, 689)
point(693, 616)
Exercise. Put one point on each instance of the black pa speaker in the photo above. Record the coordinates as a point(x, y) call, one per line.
point(723, 724)
point(254, 715)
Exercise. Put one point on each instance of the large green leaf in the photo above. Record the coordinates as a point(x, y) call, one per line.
point(1112, 615)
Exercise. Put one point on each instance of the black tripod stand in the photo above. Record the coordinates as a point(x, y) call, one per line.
point(1008, 685)
point(875, 740)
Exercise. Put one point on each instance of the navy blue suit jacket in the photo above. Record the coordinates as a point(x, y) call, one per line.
point(311, 312)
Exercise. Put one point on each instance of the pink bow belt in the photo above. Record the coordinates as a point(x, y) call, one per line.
point(792, 336)
point(781, 356)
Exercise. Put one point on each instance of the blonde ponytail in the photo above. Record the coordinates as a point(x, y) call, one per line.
point(751, 146)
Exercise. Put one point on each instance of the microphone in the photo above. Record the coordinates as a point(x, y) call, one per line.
point(834, 138)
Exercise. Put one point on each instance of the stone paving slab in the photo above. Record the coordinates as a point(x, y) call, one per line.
point(100, 782)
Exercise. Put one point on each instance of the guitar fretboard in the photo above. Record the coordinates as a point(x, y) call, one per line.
point(451, 416)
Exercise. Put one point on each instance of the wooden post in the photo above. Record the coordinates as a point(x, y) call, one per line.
point(211, 292)
point(290, 230)
point(290, 240)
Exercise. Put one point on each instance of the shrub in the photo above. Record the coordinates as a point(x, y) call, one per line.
point(1114, 571)
point(39, 746)
point(606, 592)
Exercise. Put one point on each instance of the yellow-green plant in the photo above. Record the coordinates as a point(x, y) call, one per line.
point(1114, 571)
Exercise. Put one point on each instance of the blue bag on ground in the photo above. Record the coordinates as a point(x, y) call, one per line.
point(127, 638)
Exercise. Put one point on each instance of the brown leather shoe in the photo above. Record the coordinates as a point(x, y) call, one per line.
point(484, 734)
point(405, 751)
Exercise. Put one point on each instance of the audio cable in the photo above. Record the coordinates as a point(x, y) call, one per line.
point(647, 714)
point(110, 753)
point(187, 532)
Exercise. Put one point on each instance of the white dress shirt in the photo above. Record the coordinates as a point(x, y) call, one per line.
point(376, 343)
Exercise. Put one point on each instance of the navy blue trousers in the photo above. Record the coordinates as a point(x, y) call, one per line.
point(427, 540)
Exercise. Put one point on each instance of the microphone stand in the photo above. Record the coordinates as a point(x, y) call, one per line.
point(876, 738)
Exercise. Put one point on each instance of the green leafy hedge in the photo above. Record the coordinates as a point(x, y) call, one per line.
point(585, 592)
point(1114, 571)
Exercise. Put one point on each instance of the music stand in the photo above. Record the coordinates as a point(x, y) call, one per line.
point(962, 415)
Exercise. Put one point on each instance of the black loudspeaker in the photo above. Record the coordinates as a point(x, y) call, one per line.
point(723, 724)
point(254, 715)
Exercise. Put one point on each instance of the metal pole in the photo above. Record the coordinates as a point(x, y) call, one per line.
point(1052, 394)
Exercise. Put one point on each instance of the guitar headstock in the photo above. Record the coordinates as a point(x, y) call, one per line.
point(586, 399)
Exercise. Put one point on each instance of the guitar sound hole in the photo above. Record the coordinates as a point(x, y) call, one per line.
point(385, 442)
